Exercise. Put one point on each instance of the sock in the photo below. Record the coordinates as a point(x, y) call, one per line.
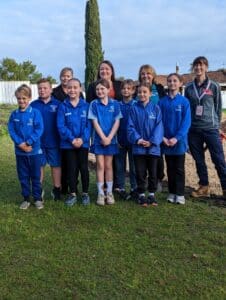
point(151, 194)
point(100, 188)
point(109, 186)
point(142, 195)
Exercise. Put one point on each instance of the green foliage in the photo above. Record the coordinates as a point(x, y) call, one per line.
point(5, 110)
point(25, 71)
point(112, 252)
point(93, 48)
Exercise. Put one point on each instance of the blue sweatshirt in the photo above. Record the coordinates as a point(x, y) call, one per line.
point(176, 117)
point(145, 122)
point(26, 127)
point(72, 122)
point(50, 137)
point(125, 108)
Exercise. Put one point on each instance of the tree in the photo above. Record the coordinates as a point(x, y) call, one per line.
point(93, 48)
point(25, 71)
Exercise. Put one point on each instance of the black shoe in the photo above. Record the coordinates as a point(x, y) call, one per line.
point(124, 195)
point(142, 200)
point(56, 193)
point(134, 195)
point(152, 200)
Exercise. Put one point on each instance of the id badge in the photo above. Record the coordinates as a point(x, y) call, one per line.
point(199, 110)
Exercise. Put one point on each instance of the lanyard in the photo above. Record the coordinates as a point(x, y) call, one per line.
point(204, 92)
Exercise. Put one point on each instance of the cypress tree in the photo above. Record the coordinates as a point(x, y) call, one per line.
point(93, 48)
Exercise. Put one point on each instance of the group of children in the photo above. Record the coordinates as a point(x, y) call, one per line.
point(46, 130)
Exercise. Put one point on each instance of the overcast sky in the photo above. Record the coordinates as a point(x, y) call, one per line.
point(162, 33)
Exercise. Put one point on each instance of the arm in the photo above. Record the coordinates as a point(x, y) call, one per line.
point(186, 121)
point(65, 133)
point(218, 102)
point(13, 134)
point(38, 129)
point(132, 134)
point(157, 135)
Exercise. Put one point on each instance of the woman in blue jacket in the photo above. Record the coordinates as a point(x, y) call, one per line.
point(176, 117)
point(74, 128)
point(145, 133)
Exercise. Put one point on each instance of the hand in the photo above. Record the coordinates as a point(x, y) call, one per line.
point(77, 142)
point(140, 142)
point(146, 144)
point(172, 142)
point(106, 141)
point(24, 147)
point(165, 141)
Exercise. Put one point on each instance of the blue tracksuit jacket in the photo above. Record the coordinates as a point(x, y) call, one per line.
point(72, 122)
point(50, 137)
point(145, 122)
point(26, 127)
point(122, 132)
point(176, 118)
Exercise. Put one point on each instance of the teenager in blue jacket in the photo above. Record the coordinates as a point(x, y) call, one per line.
point(176, 118)
point(25, 128)
point(75, 129)
point(50, 140)
point(145, 133)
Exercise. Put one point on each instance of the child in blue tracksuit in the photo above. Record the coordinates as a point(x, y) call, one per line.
point(127, 90)
point(145, 133)
point(25, 128)
point(105, 115)
point(176, 117)
point(50, 140)
point(75, 129)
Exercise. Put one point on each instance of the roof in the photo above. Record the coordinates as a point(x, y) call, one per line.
point(218, 76)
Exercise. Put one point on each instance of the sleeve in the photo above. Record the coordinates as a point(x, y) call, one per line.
point(87, 130)
point(157, 134)
point(132, 134)
point(12, 132)
point(186, 121)
point(118, 114)
point(218, 102)
point(92, 114)
point(64, 131)
point(38, 128)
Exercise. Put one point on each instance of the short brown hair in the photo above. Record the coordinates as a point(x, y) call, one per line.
point(103, 82)
point(129, 82)
point(75, 79)
point(24, 89)
point(44, 80)
point(200, 60)
point(66, 69)
point(147, 85)
point(175, 74)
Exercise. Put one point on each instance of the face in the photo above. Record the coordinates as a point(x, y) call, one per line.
point(44, 90)
point(200, 69)
point(65, 77)
point(174, 83)
point(127, 91)
point(101, 91)
point(105, 71)
point(73, 89)
point(146, 76)
point(22, 100)
point(144, 94)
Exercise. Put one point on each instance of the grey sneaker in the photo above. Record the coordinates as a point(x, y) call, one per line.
point(100, 199)
point(110, 199)
point(39, 204)
point(85, 199)
point(24, 205)
point(180, 199)
point(71, 200)
point(171, 198)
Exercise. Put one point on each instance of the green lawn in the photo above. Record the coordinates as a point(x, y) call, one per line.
point(113, 252)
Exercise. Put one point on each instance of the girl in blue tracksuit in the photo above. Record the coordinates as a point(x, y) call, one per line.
point(145, 133)
point(176, 117)
point(74, 128)
point(105, 115)
point(25, 128)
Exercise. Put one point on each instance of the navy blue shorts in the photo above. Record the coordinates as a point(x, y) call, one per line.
point(51, 156)
point(104, 150)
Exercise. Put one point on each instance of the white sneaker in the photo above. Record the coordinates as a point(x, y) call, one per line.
point(24, 205)
point(110, 198)
point(159, 186)
point(180, 199)
point(100, 199)
point(39, 204)
point(171, 198)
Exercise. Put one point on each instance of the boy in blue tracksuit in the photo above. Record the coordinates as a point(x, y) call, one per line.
point(75, 129)
point(145, 133)
point(127, 90)
point(50, 140)
point(176, 117)
point(25, 128)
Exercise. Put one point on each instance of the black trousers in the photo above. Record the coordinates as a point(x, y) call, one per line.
point(160, 168)
point(146, 165)
point(64, 182)
point(176, 174)
point(77, 161)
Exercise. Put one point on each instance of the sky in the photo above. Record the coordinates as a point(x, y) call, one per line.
point(163, 33)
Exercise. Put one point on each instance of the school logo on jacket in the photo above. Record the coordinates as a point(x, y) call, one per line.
point(53, 108)
point(208, 92)
point(111, 108)
point(30, 122)
point(152, 116)
point(178, 107)
point(83, 114)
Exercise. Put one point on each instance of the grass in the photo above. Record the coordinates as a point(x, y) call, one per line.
point(113, 252)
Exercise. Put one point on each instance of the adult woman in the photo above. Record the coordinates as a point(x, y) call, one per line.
point(105, 71)
point(60, 92)
point(206, 105)
point(147, 74)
